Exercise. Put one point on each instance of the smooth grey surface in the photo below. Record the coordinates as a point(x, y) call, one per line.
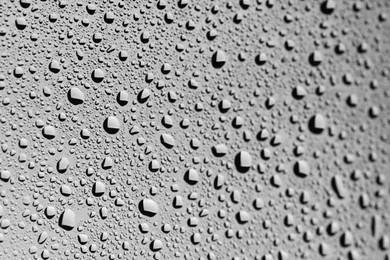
point(242, 129)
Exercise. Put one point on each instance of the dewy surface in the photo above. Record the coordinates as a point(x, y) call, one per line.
point(195, 129)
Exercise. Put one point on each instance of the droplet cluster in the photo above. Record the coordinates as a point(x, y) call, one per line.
point(195, 129)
